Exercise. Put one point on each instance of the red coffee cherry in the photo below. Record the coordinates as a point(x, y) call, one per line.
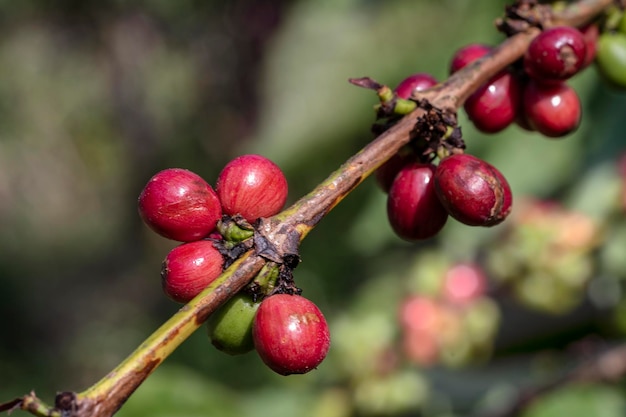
point(467, 55)
point(189, 268)
point(178, 204)
point(495, 105)
point(553, 110)
point(555, 54)
point(252, 186)
point(413, 208)
point(472, 191)
point(416, 82)
point(290, 334)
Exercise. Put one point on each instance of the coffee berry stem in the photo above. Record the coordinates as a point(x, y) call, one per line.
point(265, 281)
point(233, 232)
point(287, 229)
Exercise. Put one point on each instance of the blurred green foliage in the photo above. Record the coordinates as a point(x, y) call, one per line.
point(95, 97)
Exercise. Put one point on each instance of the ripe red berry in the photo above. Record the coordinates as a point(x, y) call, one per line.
point(416, 82)
point(178, 204)
point(467, 55)
point(555, 54)
point(252, 186)
point(290, 334)
point(189, 268)
point(413, 208)
point(495, 105)
point(472, 191)
point(553, 110)
point(463, 283)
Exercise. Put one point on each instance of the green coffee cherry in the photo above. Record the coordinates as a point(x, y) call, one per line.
point(230, 327)
point(611, 58)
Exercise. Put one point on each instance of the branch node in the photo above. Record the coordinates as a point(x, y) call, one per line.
point(434, 130)
point(66, 403)
point(277, 244)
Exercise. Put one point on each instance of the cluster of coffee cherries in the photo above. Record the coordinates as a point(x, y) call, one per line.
point(288, 331)
point(452, 322)
point(421, 195)
point(533, 93)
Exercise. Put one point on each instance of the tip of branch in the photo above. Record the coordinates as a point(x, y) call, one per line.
point(365, 82)
point(12, 405)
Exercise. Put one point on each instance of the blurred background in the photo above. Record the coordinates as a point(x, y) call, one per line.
point(96, 97)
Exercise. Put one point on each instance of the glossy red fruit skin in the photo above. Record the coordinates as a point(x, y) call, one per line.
point(495, 105)
point(467, 55)
point(253, 186)
point(553, 110)
point(417, 82)
point(473, 191)
point(413, 208)
point(179, 205)
point(290, 334)
point(189, 268)
point(555, 54)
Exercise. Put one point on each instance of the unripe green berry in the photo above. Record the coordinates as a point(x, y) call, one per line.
point(611, 58)
point(230, 327)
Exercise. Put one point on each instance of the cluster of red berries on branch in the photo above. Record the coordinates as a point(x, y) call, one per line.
point(288, 331)
point(532, 93)
point(422, 195)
